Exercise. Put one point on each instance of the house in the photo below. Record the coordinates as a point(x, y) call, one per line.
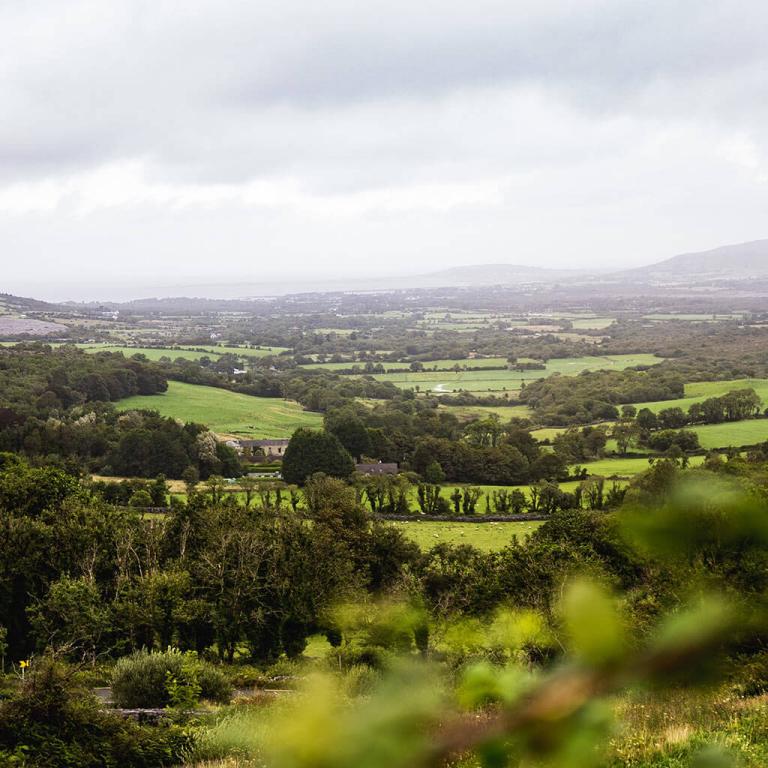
point(376, 469)
point(272, 449)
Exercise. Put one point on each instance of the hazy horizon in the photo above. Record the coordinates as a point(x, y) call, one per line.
point(203, 143)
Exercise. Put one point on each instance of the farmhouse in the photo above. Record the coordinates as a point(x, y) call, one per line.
point(379, 468)
point(272, 449)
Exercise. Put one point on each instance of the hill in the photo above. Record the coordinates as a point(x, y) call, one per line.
point(742, 261)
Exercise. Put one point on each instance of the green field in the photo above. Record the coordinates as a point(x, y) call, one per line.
point(227, 412)
point(699, 391)
point(508, 380)
point(476, 363)
point(448, 488)
point(734, 434)
point(484, 536)
point(692, 317)
point(223, 349)
point(592, 323)
point(547, 433)
point(188, 353)
point(151, 353)
point(504, 412)
point(621, 467)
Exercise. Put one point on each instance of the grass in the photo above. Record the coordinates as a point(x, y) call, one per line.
point(484, 536)
point(699, 391)
point(504, 412)
point(692, 317)
point(593, 323)
point(227, 412)
point(476, 363)
point(625, 467)
point(734, 434)
point(547, 433)
point(151, 353)
point(508, 380)
point(447, 489)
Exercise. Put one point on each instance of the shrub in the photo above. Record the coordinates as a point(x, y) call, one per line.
point(141, 498)
point(361, 680)
point(147, 680)
point(55, 723)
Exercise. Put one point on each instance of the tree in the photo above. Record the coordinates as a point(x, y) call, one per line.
point(434, 473)
point(191, 478)
point(623, 434)
point(158, 489)
point(249, 485)
point(72, 616)
point(646, 420)
point(350, 430)
point(312, 451)
point(628, 411)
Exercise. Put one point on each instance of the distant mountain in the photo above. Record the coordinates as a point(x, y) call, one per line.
point(742, 261)
point(11, 303)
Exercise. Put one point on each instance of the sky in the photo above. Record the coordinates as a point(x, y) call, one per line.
point(152, 144)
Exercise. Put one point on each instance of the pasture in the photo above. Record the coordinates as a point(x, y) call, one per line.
point(509, 380)
point(699, 391)
point(477, 363)
point(625, 467)
point(188, 353)
point(735, 434)
point(487, 537)
point(447, 489)
point(226, 412)
point(592, 323)
point(504, 412)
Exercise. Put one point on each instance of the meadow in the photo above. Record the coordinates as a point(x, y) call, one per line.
point(158, 353)
point(447, 489)
point(697, 392)
point(625, 467)
point(504, 412)
point(477, 363)
point(188, 353)
point(227, 412)
point(592, 323)
point(735, 434)
point(508, 380)
point(486, 537)
point(691, 317)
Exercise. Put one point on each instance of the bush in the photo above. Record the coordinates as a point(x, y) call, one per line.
point(361, 680)
point(54, 723)
point(147, 680)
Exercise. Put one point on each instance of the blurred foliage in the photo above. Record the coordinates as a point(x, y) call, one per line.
point(524, 688)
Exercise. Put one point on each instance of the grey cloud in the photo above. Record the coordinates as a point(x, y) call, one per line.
point(209, 88)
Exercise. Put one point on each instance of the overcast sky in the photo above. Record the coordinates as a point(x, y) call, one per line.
point(160, 142)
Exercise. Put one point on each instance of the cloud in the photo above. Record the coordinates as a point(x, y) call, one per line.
point(475, 124)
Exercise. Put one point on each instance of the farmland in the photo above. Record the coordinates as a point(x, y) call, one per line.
point(504, 412)
point(478, 363)
point(509, 380)
point(625, 467)
point(172, 353)
point(486, 537)
point(447, 489)
point(732, 434)
point(697, 392)
point(227, 412)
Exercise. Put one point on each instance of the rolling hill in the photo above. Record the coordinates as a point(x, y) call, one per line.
point(742, 261)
